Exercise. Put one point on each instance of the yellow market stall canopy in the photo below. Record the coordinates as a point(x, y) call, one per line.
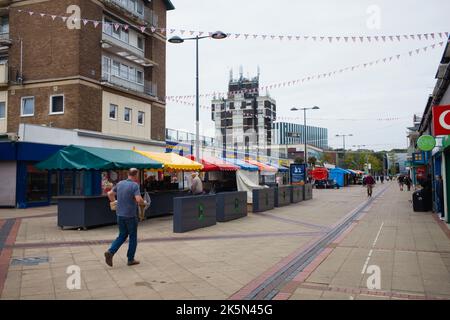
point(172, 161)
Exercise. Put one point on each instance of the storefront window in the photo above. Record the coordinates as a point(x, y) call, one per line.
point(37, 185)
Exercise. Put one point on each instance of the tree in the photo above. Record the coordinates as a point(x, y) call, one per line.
point(312, 161)
point(327, 158)
point(299, 160)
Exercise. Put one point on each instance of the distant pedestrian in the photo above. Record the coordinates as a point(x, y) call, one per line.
point(400, 182)
point(407, 180)
point(369, 182)
point(128, 197)
point(440, 196)
point(382, 179)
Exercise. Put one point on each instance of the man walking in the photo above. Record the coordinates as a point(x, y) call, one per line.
point(128, 196)
point(369, 182)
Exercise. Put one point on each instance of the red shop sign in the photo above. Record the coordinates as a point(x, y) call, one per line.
point(441, 120)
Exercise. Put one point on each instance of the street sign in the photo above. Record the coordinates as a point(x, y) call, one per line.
point(426, 143)
point(298, 173)
point(441, 120)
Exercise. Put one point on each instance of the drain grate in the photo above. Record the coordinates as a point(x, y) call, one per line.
point(30, 261)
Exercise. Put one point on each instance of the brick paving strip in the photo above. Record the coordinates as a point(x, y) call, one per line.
point(161, 239)
point(292, 221)
point(279, 281)
point(8, 234)
point(379, 293)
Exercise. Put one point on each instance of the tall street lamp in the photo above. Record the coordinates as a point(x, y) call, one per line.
point(304, 128)
point(177, 40)
point(343, 137)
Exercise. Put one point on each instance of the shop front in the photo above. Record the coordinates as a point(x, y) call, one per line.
point(23, 185)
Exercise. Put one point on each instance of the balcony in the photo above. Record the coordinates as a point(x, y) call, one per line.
point(124, 50)
point(148, 89)
point(128, 11)
point(4, 74)
point(5, 42)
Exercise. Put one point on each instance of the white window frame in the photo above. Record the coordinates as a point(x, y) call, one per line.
point(4, 107)
point(51, 104)
point(143, 118)
point(21, 106)
point(131, 114)
point(116, 111)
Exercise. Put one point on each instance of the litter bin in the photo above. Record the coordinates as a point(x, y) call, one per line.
point(420, 202)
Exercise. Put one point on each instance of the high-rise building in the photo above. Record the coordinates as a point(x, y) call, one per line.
point(108, 78)
point(244, 119)
point(285, 133)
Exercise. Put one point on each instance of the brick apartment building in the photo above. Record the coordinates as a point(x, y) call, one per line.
point(105, 79)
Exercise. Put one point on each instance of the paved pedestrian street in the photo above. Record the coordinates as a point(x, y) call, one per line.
point(326, 248)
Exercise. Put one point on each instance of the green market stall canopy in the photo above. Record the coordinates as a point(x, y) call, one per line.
point(90, 158)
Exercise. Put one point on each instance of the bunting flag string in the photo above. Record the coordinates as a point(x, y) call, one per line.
point(296, 118)
point(297, 82)
point(247, 36)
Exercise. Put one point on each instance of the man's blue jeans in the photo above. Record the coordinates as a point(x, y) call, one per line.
point(127, 228)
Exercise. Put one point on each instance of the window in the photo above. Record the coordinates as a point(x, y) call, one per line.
point(139, 77)
point(140, 7)
point(140, 42)
point(113, 111)
point(141, 117)
point(127, 115)
point(124, 71)
point(115, 68)
point(2, 110)
point(116, 31)
point(132, 72)
point(57, 104)
point(106, 68)
point(27, 107)
point(124, 36)
point(4, 24)
point(107, 26)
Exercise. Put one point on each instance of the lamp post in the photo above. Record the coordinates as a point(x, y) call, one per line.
point(304, 128)
point(177, 40)
point(343, 140)
point(343, 137)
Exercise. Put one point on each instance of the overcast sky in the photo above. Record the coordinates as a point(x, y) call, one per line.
point(396, 89)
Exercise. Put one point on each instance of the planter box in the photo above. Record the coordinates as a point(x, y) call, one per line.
point(263, 199)
point(193, 212)
point(231, 205)
point(297, 194)
point(162, 202)
point(308, 192)
point(84, 212)
point(282, 196)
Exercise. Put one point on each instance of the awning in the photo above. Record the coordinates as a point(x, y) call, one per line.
point(278, 167)
point(90, 158)
point(262, 166)
point(172, 161)
point(214, 164)
point(241, 164)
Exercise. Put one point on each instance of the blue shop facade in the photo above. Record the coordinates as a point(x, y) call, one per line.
point(23, 186)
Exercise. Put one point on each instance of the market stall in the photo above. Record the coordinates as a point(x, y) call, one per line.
point(162, 185)
point(282, 175)
point(220, 176)
point(247, 178)
point(86, 211)
point(266, 173)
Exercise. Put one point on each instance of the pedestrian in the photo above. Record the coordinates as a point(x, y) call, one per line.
point(407, 180)
point(400, 182)
point(369, 182)
point(382, 179)
point(440, 196)
point(128, 197)
point(197, 184)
